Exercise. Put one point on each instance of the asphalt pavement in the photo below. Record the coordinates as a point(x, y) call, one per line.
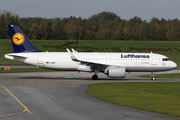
point(60, 96)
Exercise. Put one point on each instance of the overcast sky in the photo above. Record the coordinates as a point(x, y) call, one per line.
point(126, 9)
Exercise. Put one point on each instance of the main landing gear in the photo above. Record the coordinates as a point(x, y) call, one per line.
point(95, 76)
point(153, 76)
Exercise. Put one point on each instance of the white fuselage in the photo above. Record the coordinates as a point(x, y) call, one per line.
point(133, 62)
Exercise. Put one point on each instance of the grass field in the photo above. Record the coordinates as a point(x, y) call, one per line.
point(156, 97)
point(6, 47)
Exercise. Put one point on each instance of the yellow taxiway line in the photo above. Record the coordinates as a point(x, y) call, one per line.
point(1, 85)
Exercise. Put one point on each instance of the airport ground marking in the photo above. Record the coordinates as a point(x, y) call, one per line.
point(26, 109)
point(13, 113)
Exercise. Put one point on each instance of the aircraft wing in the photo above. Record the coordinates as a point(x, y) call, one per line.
point(87, 63)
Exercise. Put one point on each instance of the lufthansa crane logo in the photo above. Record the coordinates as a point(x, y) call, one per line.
point(18, 38)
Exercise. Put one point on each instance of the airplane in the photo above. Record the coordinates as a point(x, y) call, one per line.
point(114, 65)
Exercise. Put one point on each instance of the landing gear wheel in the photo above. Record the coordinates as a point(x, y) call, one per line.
point(94, 77)
point(153, 78)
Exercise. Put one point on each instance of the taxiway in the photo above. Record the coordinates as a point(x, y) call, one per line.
point(60, 96)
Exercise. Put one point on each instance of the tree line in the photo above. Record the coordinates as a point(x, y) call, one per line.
point(101, 26)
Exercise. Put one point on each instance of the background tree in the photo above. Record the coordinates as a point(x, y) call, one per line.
point(101, 26)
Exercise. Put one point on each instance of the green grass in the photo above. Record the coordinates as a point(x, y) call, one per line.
point(6, 47)
point(18, 70)
point(161, 97)
point(174, 75)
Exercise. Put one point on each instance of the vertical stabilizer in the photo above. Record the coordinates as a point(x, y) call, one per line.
point(19, 40)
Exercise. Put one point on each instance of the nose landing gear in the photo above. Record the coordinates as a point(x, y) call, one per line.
point(153, 76)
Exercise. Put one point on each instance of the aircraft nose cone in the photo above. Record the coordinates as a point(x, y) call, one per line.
point(174, 65)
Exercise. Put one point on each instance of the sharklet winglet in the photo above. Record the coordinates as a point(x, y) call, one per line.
point(71, 55)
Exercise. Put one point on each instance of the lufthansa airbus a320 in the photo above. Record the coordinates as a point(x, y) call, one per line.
point(114, 65)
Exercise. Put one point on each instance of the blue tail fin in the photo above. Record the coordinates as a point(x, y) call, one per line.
point(19, 40)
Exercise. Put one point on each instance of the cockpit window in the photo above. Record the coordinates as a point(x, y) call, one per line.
point(166, 59)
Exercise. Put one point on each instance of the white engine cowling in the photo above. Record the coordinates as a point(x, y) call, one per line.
point(117, 72)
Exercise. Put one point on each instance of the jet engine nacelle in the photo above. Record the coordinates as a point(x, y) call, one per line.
point(117, 72)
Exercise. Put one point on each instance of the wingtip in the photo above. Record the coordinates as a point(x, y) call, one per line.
point(71, 55)
point(68, 50)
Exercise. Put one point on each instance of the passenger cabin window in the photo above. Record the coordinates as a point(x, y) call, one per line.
point(165, 59)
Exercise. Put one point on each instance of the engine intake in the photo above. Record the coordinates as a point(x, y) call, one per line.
point(117, 72)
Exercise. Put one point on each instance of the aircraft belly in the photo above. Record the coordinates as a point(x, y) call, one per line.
point(147, 69)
